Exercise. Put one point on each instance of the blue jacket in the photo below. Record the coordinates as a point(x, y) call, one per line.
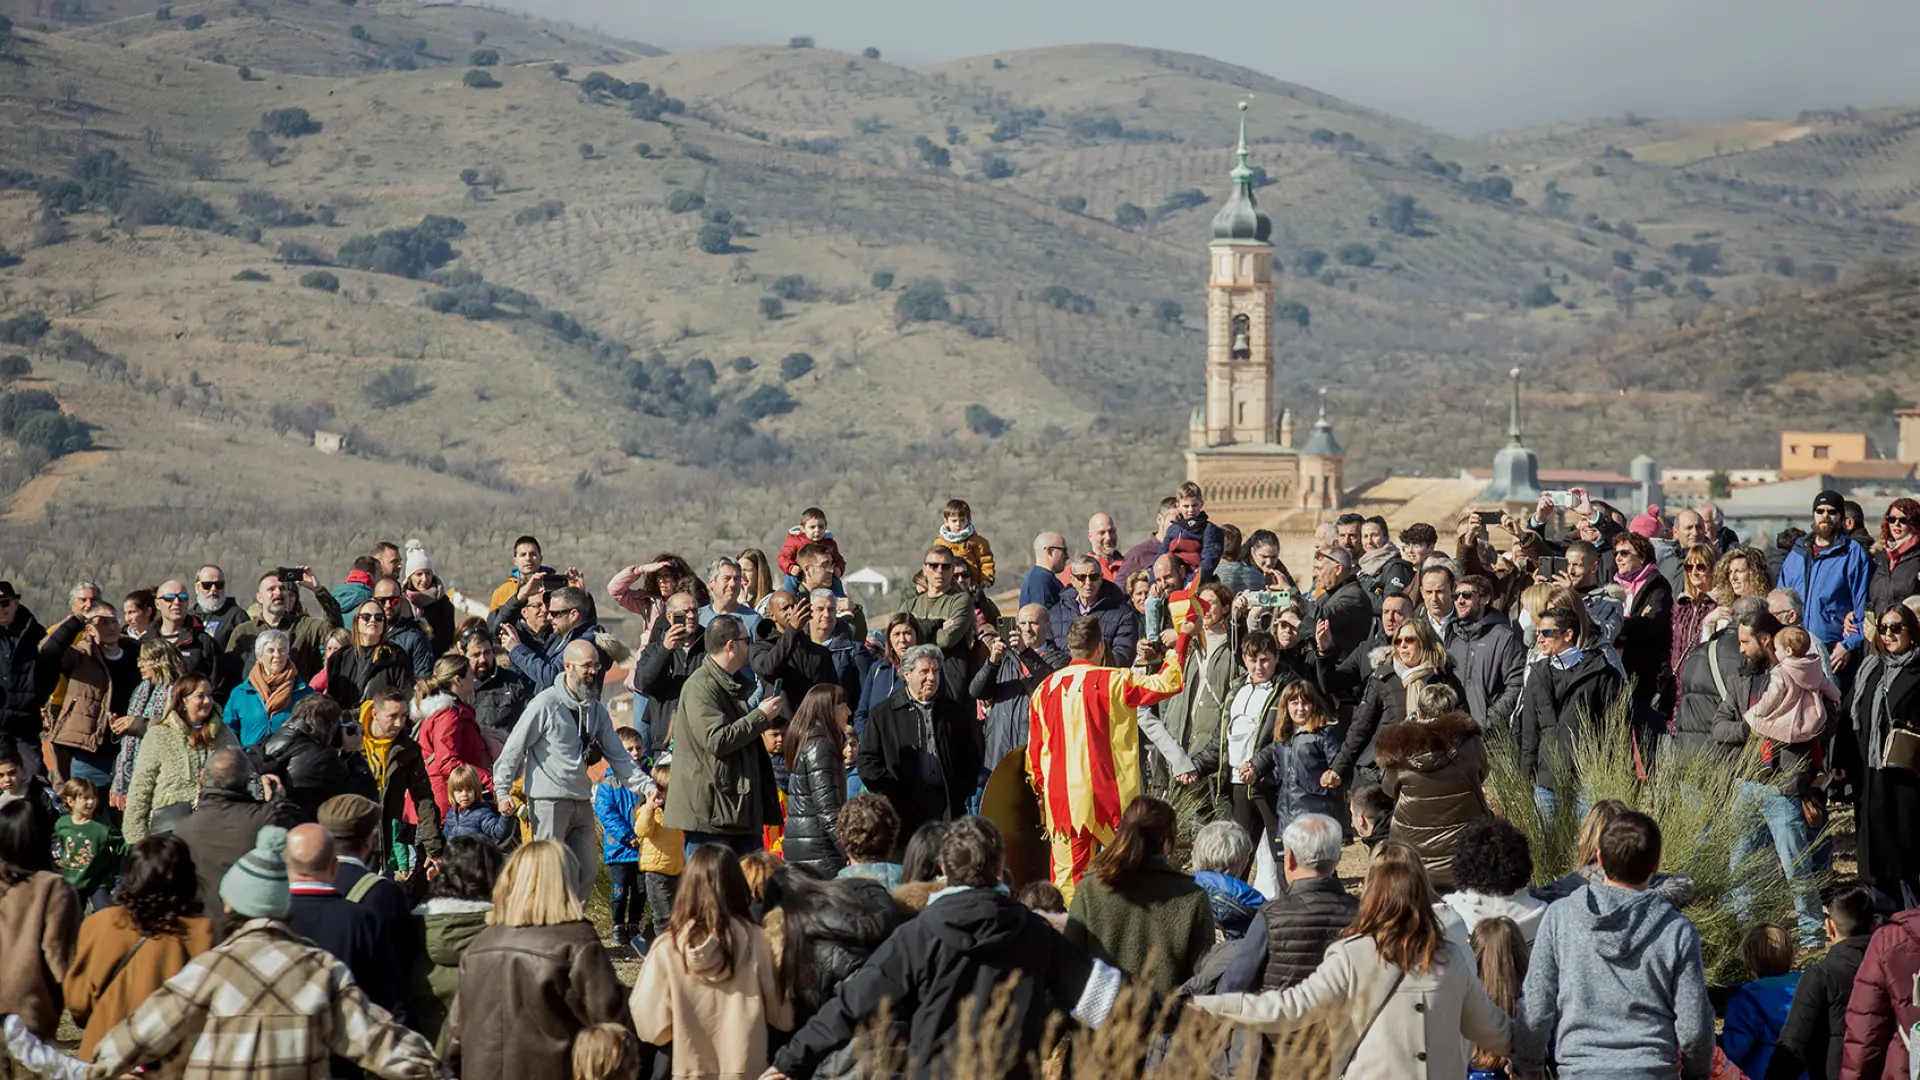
point(1119, 623)
point(881, 682)
point(1040, 587)
point(350, 595)
point(1292, 769)
point(1756, 1012)
point(480, 819)
point(1235, 902)
point(544, 667)
point(246, 712)
point(614, 804)
point(1209, 543)
point(1832, 583)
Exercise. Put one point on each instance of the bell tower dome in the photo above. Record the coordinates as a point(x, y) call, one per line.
point(1240, 397)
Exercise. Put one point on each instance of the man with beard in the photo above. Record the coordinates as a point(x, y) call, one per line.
point(219, 614)
point(405, 632)
point(1384, 571)
point(1340, 600)
point(1772, 814)
point(500, 694)
point(1831, 572)
point(1487, 656)
point(280, 610)
point(563, 724)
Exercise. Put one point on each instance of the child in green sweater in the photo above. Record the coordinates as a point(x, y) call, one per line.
point(83, 847)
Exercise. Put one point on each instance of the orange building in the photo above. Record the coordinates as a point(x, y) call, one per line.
point(1810, 453)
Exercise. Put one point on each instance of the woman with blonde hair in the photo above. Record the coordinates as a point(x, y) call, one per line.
point(1677, 888)
point(1412, 660)
point(1390, 992)
point(166, 778)
point(449, 736)
point(160, 665)
point(710, 987)
point(1434, 769)
point(534, 978)
point(756, 578)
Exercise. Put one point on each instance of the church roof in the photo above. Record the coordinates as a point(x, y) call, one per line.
point(1241, 218)
point(1516, 469)
point(1322, 443)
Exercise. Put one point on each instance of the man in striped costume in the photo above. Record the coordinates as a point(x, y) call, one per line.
point(1083, 745)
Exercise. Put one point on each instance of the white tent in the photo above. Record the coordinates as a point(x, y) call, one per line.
point(867, 575)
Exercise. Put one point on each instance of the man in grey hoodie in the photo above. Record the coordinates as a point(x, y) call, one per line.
point(563, 727)
point(1616, 984)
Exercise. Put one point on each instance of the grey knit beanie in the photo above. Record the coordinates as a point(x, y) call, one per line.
point(256, 886)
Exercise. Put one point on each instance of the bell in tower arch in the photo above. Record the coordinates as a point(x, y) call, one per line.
point(1242, 345)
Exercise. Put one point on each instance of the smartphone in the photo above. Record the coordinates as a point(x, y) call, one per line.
point(1487, 517)
point(1270, 598)
point(1551, 565)
point(551, 582)
point(1007, 624)
point(288, 573)
point(1562, 500)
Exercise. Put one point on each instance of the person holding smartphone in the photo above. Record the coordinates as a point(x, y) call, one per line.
point(278, 594)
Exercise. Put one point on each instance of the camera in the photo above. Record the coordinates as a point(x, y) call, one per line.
point(289, 574)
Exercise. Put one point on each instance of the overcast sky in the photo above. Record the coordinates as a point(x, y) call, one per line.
point(1464, 66)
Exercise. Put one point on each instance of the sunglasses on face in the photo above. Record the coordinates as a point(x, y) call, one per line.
point(554, 613)
point(1701, 567)
point(1086, 577)
point(372, 616)
point(1465, 594)
point(7, 601)
point(1549, 632)
point(211, 586)
point(172, 597)
point(1893, 519)
point(941, 567)
point(1892, 628)
point(1406, 641)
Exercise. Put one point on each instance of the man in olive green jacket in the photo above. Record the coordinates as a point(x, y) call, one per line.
point(723, 789)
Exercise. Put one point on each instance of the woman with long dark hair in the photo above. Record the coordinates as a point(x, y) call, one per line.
point(818, 748)
point(369, 662)
point(155, 926)
point(39, 916)
point(883, 677)
point(166, 776)
point(709, 987)
point(1391, 992)
point(1645, 641)
point(825, 930)
point(1137, 911)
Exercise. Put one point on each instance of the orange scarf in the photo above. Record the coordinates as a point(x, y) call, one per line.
point(276, 692)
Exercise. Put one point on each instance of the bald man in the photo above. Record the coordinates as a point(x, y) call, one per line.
point(553, 745)
point(1042, 584)
point(1103, 543)
point(348, 931)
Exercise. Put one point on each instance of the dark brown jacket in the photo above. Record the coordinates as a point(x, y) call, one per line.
point(525, 992)
point(1433, 772)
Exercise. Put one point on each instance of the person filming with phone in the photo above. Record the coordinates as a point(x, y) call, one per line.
point(278, 594)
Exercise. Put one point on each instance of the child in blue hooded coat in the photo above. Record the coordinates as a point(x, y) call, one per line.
point(1756, 1011)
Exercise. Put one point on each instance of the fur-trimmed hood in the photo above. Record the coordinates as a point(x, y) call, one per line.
point(1423, 747)
point(914, 896)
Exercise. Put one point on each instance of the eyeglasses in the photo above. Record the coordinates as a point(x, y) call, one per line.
point(7, 601)
point(941, 566)
point(1086, 577)
point(371, 616)
point(1892, 628)
point(1549, 632)
point(555, 613)
point(1407, 640)
point(1057, 547)
point(1465, 594)
point(1896, 519)
point(171, 597)
point(390, 601)
point(211, 586)
point(1700, 566)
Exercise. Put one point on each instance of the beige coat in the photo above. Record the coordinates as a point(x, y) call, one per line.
point(715, 1022)
point(1423, 1030)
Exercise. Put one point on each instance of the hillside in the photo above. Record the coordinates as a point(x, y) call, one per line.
point(667, 312)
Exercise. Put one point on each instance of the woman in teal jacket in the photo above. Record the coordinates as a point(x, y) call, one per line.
point(256, 708)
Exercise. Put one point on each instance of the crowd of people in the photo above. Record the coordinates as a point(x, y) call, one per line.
point(347, 830)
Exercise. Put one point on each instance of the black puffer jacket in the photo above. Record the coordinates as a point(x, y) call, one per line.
point(1700, 694)
point(1383, 703)
point(828, 929)
point(1301, 923)
point(1558, 706)
point(1348, 611)
point(312, 771)
point(353, 673)
point(815, 789)
point(21, 692)
point(1893, 582)
point(197, 647)
point(500, 698)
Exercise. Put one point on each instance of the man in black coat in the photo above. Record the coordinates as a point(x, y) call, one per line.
point(801, 644)
point(923, 749)
point(22, 692)
point(1568, 695)
point(303, 756)
point(1488, 656)
point(1340, 600)
point(973, 946)
point(676, 650)
point(225, 820)
point(500, 694)
point(354, 821)
point(1343, 677)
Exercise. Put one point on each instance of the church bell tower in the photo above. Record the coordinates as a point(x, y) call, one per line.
point(1240, 396)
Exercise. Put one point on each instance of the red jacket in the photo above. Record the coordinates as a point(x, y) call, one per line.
point(449, 738)
point(1883, 1003)
point(797, 540)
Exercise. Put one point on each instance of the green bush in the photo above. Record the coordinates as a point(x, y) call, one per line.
point(1129, 216)
point(1311, 260)
point(289, 123)
point(982, 421)
point(1072, 204)
point(1540, 296)
point(716, 239)
point(56, 433)
point(771, 308)
point(1292, 311)
point(743, 364)
point(324, 280)
point(478, 79)
point(1695, 798)
point(923, 301)
point(396, 386)
point(483, 58)
point(882, 280)
point(14, 366)
point(792, 287)
point(1355, 255)
point(193, 22)
point(17, 406)
point(26, 328)
point(794, 365)
point(683, 201)
point(251, 275)
point(766, 401)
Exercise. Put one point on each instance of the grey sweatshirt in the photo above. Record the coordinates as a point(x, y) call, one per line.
point(551, 741)
point(1616, 985)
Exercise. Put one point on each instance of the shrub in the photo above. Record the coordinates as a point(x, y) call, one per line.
point(560, 71)
point(1355, 255)
point(193, 22)
point(1181, 200)
point(716, 239)
point(246, 73)
point(586, 151)
point(794, 365)
point(323, 280)
point(545, 210)
point(17, 406)
point(882, 280)
point(923, 301)
point(1061, 298)
point(56, 433)
point(163, 13)
point(1129, 216)
point(1072, 204)
point(645, 150)
point(770, 308)
point(1292, 311)
point(743, 364)
point(1402, 215)
point(8, 258)
point(1167, 311)
point(1623, 259)
point(26, 328)
point(478, 79)
point(766, 401)
point(470, 177)
point(995, 167)
point(982, 421)
point(14, 366)
point(396, 386)
point(800, 41)
point(411, 252)
point(683, 201)
point(791, 287)
point(483, 58)
point(300, 254)
point(1540, 296)
point(289, 123)
point(251, 275)
point(870, 53)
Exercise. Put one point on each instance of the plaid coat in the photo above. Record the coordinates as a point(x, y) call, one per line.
point(267, 1005)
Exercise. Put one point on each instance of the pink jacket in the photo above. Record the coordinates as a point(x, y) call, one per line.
point(1791, 710)
point(647, 603)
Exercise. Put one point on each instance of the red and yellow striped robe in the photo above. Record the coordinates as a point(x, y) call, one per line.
point(1083, 752)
